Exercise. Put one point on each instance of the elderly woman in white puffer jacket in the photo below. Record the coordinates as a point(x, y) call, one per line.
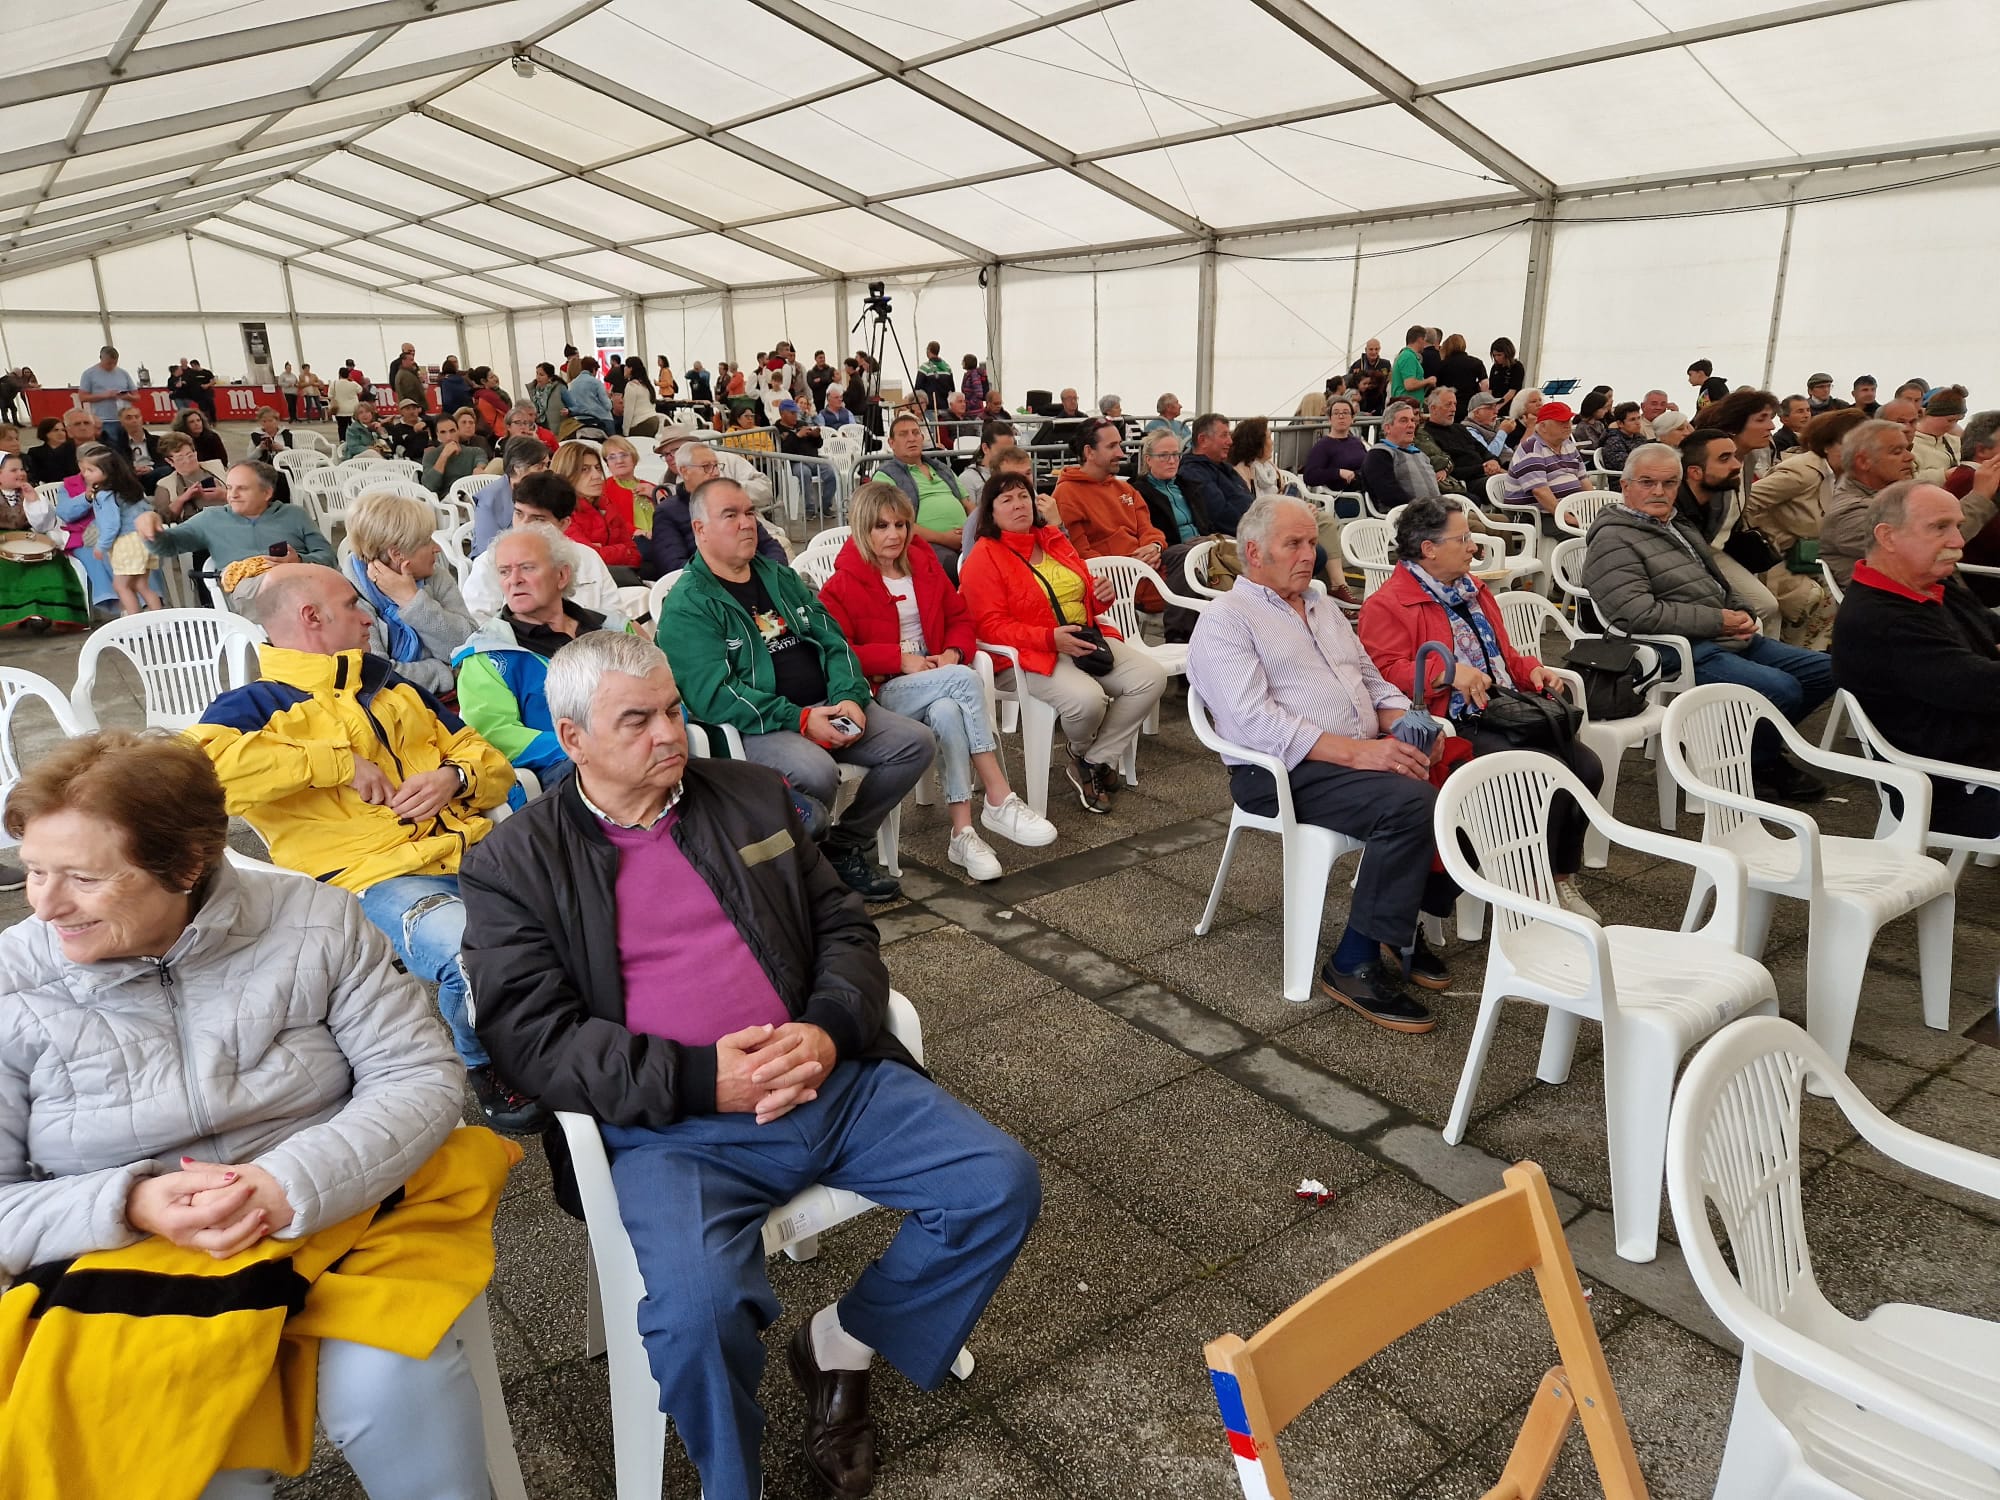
point(227, 1060)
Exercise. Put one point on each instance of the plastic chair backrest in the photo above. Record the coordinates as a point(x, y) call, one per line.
point(1124, 574)
point(1710, 727)
point(1194, 567)
point(17, 687)
point(830, 540)
point(1496, 488)
point(656, 599)
point(1833, 589)
point(455, 547)
point(815, 566)
point(1504, 818)
point(409, 489)
point(1574, 513)
point(1266, 1381)
point(1565, 561)
point(1526, 615)
point(186, 658)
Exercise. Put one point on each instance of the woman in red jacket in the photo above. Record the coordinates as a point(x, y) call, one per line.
point(914, 640)
point(597, 524)
point(1027, 589)
point(1432, 596)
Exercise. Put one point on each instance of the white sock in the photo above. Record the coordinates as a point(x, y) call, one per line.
point(834, 1348)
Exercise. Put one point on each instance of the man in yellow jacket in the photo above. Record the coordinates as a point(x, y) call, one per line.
point(362, 780)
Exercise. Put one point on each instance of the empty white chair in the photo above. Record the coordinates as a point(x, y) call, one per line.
point(1961, 847)
point(295, 461)
point(185, 657)
point(404, 468)
point(462, 495)
point(1370, 546)
point(1525, 615)
point(1308, 851)
point(1852, 887)
point(18, 687)
point(1903, 1404)
point(638, 1426)
point(1654, 994)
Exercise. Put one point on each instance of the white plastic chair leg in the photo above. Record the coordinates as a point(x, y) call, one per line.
point(1934, 924)
point(1475, 1064)
point(804, 1248)
point(1833, 717)
point(593, 1310)
point(888, 842)
point(1836, 964)
point(1761, 1459)
point(1221, 876)
point(1668, 791)
point(1037, 748)
point(1638, 1093)
point(962, 1367)
point(1471, 915)
point(503, 1464)
point(1597, 846)
point(1559, 1033)
point(1309, 856)
point(1433, 928)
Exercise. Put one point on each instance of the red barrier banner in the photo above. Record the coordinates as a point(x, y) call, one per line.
point(233, 403)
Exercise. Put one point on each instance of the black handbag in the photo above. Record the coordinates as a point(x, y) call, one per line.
point(1533, 721)
point(1751, 548)
point(1614, 676)
point(1099, 663)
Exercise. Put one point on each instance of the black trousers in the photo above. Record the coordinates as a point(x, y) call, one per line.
point(1388, 812)
point(1567, 824)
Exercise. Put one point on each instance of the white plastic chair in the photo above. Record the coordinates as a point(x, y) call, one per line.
point(1574, 513)
point(462, 495)
point(1037, 721)
point(1903, 1404)
point(829, 541)
point(1369, 545)
point(1962, 848)
point(1125, 574)
point(616, 1286)
point(1526, 513)
point(1309, 854)
point(17, 687)
point(1525, 614)
point(369, 484)
point(1194, 568)
point(1852, 886)
point(405, 468)
point(1841, 701)
point(1565, 562)
point(815, 566)
point(295, 461)
point(455, 550)
point(1654, 994)
point(656, 597)
point(185, 657)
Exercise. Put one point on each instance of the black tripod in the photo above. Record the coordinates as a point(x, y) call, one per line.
point(881, 332)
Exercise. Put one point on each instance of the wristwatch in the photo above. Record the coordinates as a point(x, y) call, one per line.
point(464, 781)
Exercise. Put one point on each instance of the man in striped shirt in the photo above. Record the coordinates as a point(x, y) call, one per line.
point(1283, 674)
point(1546, 466)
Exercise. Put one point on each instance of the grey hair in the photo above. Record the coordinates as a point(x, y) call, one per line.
point(1438, 393)
point(1153, 440)
point(561, 550)
point(1160, 405)
point(520, 454)
point(1663, 451)
point(1105, 403)
point(1980, 432)
point(698, 501)
point(1423, 521)
point(1889, 505)
point(1518, 408)
point(1867, 436)
point(579, 669)
point(524, 409)
point(1257, 521)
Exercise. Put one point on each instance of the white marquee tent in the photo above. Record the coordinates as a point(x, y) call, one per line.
point(1221, 197)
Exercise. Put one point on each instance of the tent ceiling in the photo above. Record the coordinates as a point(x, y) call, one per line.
point(397, 143)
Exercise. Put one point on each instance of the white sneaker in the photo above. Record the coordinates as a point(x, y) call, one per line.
point(970, 850)
point(1017, 822)
point(1571, 899)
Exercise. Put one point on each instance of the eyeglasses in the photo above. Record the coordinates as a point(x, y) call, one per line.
point(1166, 458)
point(697, 468)
point(1640, 482)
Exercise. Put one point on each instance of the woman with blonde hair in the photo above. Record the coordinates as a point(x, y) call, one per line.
point(914, 639)
point(392, 561)
point(595, 524)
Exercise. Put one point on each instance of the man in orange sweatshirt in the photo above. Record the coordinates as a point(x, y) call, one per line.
point(1105, 516)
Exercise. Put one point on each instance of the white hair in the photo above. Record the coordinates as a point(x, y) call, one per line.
point(1107, 404)
point(1646, 453)
point(578, 670)
point(561, 550)
point(1262, 516)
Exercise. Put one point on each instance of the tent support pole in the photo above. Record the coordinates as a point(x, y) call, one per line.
point(1778, 290)
point(1204, 335)
point(292, 311)
point(1535, 306)
point(103, 308)
point(513, 356)
point(729, 327)
point(993, 326)
point(1354, 292)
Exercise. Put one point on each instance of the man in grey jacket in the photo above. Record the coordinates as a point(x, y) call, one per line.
point(1872, 457)
point(1651, 574)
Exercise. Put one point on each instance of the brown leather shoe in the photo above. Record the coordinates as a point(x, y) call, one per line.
point(840, 1435)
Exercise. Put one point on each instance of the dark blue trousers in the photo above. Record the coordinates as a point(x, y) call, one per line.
point(694, 1197)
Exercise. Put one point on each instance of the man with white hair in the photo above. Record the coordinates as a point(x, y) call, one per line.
point(1283, 673)
point(733, 465)
point(1169, 418)
point(503, 664)
point(731, 1056)
point(1873, 456)
point(540, 496)
point(692, 465)
point(1651, 408)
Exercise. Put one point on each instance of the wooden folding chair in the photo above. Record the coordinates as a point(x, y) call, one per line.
point(1263, 1383)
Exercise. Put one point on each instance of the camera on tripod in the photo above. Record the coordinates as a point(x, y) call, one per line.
point(877, 300)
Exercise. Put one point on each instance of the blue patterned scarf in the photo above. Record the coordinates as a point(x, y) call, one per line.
point(1473, 639)
point(403, 642)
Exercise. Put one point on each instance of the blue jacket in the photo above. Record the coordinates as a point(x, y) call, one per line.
point(502, 688)
point(587, 400)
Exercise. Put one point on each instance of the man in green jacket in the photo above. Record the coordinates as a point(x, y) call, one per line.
point(753, 648)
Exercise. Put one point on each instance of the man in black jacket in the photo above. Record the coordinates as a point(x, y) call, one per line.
point(1209, 479)
point(1450, 447)
point(1920, 653)
point(761, 995)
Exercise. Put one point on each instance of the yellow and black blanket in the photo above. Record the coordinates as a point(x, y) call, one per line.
point(141, 1372)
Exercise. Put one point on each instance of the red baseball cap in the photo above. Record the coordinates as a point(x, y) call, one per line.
point(1554, 411)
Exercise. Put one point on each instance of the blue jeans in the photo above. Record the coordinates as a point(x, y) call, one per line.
point(423, 917)
point(1796, 680)
point(694, 1196)
point(952, 701)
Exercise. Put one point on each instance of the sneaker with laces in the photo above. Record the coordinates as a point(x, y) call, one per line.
point(507, 1110)
point(1106, 779)
point(974, 855)
point(1017, 822)
point(861, 876)
point(1080, 774)
point(1571, 899)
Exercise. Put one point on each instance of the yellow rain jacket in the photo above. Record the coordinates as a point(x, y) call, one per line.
point(285, 750)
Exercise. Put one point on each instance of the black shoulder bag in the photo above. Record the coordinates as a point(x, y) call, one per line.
point(1531, 721)
point(1099, 663)
point(1614, 676)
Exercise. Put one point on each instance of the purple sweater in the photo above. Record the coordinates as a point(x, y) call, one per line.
point(689, 976)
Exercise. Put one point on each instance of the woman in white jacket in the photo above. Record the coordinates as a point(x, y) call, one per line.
point(220, 1058)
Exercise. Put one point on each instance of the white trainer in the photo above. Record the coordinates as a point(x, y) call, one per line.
point(1571, 899)
point(1017, 822)
point(969, 850)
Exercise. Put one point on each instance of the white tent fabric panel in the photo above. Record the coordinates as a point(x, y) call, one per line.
point(389, 189)
point(598, 210)
point(1461, 275)
point(56, 349)
point(498, 228)
point(805, 315)
point(887, 136)
point(188, 89)
point(306, 198)
point(1039, 211)
point(950, 310)
point(1047, 337)
point(153, 342)
point(564, 119)
point(1280, 325)
point(723, 259)
point(314, 293)
point(59, 289)
point(1617, 288)
point(231, 362)
point(539, 336)
point(622, 270)
point(547, 283)
point(444, 248)
point(706, 179)
point(330, 343)
point(1147, 326)
point(49, 33)
point(849, 240)
point(485, 343)
point(149, 278)
point(480, 165)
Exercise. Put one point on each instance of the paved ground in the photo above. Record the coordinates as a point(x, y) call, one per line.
point(1173, 1100)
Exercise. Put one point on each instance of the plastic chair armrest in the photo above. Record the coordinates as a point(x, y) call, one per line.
point(1680, 681)
point(1729, 874)
point(1946, 1161)
point(1944, 770)
point(1589, 933)
point(905, 1025)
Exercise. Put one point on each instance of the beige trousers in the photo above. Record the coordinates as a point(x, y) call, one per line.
point(1101, 716)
